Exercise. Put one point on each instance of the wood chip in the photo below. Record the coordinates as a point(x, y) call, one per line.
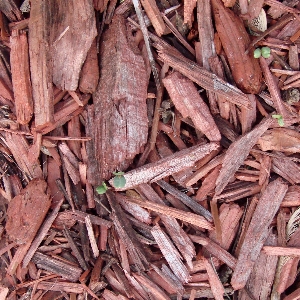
point(171, 254)
point(197, 208)
point(263, 271)
point(56, 266)
point(257, 232)
point(89, 75)
point(209, 182)
point(214, 281)
point(166, 166)
point(175, 213)
point(237, 153)
point(126, 233)
point(39, 41)
point(235, 40)
point(185, 96)
point(20, 70)
point(154, 15)
point(42, 233)
point(27, 212)
point(204, 78)
point(77, 29)
point(120, 107)
point(215, 250)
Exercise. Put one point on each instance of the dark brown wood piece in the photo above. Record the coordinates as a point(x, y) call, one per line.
point(189, 202)
point(56, 266)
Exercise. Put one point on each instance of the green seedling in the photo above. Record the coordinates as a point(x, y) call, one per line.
point(265, 52)
point(279, 119)
point(119, 179)
point(257, 53)
point(101, 189)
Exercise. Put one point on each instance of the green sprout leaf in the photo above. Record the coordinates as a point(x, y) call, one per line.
point(257, 53)
point(119, 181)
point(276, 116)
point(279, 119)
point(265, 52)
point(101, 189)
point(280, 122)
point(118, 173)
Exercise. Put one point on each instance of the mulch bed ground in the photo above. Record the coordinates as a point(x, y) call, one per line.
point(149, 149)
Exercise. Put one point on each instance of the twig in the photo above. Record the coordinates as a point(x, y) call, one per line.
point(178, 35)
point(197, 208)
point(175, 213)
point(91, 235)
point(166, 166)
point(144, 30)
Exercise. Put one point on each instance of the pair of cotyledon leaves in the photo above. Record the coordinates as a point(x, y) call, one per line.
point(119, 181)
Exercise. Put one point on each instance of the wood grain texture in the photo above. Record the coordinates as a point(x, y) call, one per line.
point(89, 76)
point(187, 100)
point(171, 254)
point(262, 276)
point(206, 32)
point(177, 234)
point(73, 29)
point(188, 7)
point(11, 11)
point(41, 61)
point(121, 123)
point(202, 77)
point(258, 231)
point(166, 166)
point(56, 266)
point(237, 153)
point(20, 72)
point(27, 211)
point(286, 168)
point(20, 147)
point(154, 15)
point(235, 40)
point(135, 248)
point(175, 213)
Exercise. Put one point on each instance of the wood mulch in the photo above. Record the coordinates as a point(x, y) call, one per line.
point(146, 153)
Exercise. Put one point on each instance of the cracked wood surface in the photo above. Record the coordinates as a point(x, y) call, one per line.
point(120, 123)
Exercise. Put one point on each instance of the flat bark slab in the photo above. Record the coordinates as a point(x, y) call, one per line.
point(59, 38)
point(26, 211)
point(189, 103)
point(121, 123)
point(73, 29)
